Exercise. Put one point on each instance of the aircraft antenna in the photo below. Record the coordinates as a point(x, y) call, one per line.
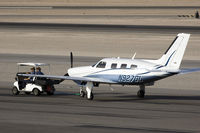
point(134, 56)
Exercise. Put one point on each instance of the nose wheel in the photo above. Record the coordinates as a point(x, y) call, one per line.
point(88, 93)
point(82, 93)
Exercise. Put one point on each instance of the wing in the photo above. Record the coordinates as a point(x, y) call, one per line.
point(86, 79)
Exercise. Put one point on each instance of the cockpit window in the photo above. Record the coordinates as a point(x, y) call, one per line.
point(133, 66)
point(94, 65)
point(123, 66)
point(114, 65)
point(101, 64)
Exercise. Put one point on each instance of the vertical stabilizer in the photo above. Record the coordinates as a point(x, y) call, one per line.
point(174, 54)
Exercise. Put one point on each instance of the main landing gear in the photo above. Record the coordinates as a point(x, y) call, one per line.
point(89, 94)
point(141, 92)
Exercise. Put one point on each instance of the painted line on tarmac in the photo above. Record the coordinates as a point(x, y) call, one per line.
point(99, 7)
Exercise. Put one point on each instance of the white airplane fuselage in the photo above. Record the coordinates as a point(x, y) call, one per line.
point(136, 71)
point(122, 71)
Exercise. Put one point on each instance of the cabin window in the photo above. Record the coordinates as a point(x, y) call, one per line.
point(123, 66)
point(114, 65)
point(133, 66)
point(101, 64)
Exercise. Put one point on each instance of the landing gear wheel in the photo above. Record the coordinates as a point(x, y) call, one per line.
point(140, 94)
point(15, 91)
point(36, 92)
point(82, 93)
point(91, 96)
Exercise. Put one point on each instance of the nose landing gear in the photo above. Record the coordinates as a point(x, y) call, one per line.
point(89, 87)
point(82, 93)
point(89, 94)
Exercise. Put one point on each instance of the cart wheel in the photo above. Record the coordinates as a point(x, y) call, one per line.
point(36, 92)
point(15, 91)
point(27, 93)
point(50, 90)
point(50, 93)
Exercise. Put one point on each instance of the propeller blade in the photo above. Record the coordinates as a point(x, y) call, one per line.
point(71, 59)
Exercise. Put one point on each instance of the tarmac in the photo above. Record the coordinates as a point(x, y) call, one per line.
point(93, 31)
point(162, 110)
point(165, 108)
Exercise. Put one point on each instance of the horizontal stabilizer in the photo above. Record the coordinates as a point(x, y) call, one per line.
point(185, 71)
point(175, 71)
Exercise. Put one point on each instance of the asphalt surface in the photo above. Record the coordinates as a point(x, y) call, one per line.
point(119, 111)
point(163, 110)
point(167, 108)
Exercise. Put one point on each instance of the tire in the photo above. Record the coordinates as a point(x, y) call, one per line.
point(82, 94)
point(36, 92)
point(15, 91)
point(27, 93)
point(140, 94)
point(50, 93)
point(91, 96)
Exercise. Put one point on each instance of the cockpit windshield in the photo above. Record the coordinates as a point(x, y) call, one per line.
point(94, 65)
point(101, 64)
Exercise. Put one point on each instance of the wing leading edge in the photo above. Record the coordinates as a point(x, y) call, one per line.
point(86, 79)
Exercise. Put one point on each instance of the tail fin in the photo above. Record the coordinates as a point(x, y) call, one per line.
point(173, 56)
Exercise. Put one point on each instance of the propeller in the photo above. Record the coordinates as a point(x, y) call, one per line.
point(71, 59)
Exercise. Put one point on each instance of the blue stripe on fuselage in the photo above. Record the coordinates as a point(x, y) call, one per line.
point(116, 78)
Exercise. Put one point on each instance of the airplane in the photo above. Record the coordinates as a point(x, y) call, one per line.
point(125, 71)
